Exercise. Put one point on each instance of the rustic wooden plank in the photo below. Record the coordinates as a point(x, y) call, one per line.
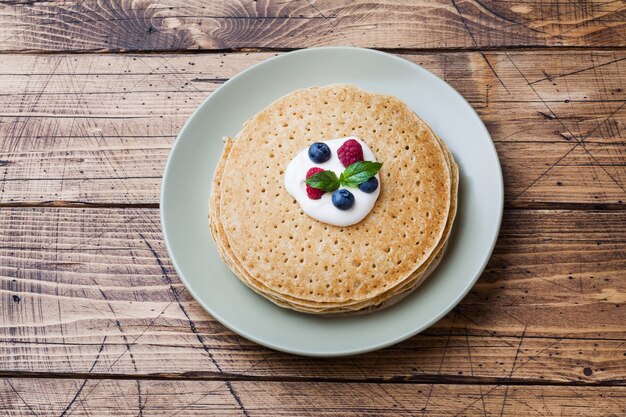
point(167, 25)
point(98, 129)
point(83, 290)
point(54, 397)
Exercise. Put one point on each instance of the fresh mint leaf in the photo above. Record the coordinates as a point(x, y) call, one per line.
point(325, 181)
point(358, 173)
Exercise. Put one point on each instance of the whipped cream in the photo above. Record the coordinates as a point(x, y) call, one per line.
point(323, 209)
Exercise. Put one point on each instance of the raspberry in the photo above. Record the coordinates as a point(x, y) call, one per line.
point(350, 152)
point(313, 193)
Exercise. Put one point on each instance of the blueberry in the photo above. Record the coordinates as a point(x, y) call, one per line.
point(319, 152)
point(369, 186)
point(343, 199)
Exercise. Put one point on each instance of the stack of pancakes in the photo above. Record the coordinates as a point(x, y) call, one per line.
point(297, 262)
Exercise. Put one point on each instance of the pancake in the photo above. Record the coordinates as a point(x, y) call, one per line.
point(273, 247)
point(385, 300)
point(394, 296)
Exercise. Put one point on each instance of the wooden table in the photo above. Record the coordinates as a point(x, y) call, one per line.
point(94, 320)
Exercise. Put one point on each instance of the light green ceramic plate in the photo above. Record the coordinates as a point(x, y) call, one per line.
point(187, 181)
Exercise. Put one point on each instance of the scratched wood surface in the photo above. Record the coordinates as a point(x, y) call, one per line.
point(98, 128)
point(231, 24)
point(94, 319)
point(100, 296)
point(54, 397)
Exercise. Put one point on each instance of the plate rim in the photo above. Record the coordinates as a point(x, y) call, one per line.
point(346, 352)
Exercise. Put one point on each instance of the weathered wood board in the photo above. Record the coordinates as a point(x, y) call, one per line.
point(105, 397)
point(168, 25)
point(98, 128)
point(92, 290)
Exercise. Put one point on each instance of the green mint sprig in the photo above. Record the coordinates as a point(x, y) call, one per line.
point(355, 174)
point(359, 172)
point(325, 181)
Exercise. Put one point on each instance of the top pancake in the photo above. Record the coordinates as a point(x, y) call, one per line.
point(293, 254)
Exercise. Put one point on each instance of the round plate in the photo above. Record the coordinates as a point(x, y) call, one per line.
point(187, 182)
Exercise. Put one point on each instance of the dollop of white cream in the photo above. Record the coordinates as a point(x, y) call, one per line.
point(323, 209)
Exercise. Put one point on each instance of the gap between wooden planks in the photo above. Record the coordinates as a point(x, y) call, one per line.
point(93, 291)
point(174, 25)
point(97, 129)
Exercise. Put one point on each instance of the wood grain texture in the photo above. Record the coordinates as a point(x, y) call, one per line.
point(168, 25)
point(93, 291)
point(97, 129)
point(93, 318)
point(50, 397)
